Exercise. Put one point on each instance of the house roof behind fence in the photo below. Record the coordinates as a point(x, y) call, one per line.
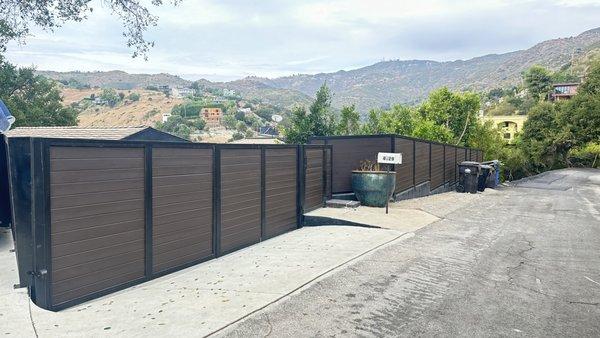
point(94, 133)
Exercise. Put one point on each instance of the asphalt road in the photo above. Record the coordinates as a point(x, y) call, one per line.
point(522, 262)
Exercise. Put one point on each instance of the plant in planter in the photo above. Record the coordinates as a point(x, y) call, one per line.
point(371, 185)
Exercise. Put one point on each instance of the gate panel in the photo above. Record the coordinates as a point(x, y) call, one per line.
point(422, 162)
point(437, 165)
point(96, 220)
point(181, 206)
point(404, 171)
point(240, 198)
point(280, 191)
point(313, 188)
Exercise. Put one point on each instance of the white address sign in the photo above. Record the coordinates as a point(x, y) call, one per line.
point(389, 158)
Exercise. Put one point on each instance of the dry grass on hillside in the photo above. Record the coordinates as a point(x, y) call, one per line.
point(126, 113)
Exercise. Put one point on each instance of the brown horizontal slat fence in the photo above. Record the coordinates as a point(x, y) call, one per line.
point(281, 190)
point(437, 165)
point(110, 214)
point(182, 212)
point(314, 192)
point(422, 161)
point(349, 152)
point(405, 171)
point(449, 164)
point(240, 198)
point(97, 220)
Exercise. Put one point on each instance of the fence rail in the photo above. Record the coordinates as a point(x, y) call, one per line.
point(424, 162)
point(93, 217)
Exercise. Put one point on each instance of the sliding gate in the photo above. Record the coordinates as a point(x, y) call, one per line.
point(109, 214)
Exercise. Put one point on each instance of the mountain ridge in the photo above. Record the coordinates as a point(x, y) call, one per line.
point(383, 83)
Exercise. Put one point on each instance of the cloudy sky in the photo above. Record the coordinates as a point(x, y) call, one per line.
point(229, 39)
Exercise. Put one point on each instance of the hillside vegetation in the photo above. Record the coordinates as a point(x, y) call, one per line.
point(146, 111)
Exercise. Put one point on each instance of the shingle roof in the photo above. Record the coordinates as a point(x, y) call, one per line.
point(98, 133)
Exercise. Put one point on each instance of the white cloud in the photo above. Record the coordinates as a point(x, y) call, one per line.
point(234, 38)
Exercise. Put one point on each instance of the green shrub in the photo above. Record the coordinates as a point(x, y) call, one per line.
point(585, 156)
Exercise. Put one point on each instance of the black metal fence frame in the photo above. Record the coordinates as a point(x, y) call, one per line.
point(32, 229)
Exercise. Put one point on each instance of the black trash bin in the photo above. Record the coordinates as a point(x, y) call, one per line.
point(467, 180)
point(482, 179)
point(494, 177)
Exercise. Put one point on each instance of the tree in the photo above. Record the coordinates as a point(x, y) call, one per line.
point(110, 96)
point(349, 123)
point(545, 140)
point(177, 125)
point(582, 112)
point(33, 100)
point(17, 17)
point(538, 81)
point(455, 111)
point(319, 122)
point(134, 97)
point(371, 127)
point(190, 109)
point(399, 120)
point(321, 118)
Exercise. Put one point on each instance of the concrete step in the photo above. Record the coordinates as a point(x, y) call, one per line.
point(339, 203)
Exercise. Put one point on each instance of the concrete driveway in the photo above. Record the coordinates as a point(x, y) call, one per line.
point(522, 262)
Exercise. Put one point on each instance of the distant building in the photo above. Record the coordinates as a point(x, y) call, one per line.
point(509, 125)
point(563, 91)
point(268, 131)
point(182, 92)
point(259, 140)
point(228, 92)
point(212, 116)
point(218, 100)
point(165, 117)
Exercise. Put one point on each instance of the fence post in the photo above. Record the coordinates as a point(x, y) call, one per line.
point(300, 173)
point(324, 171)
point(40, 224)
point(263, 197)
point(217, 200)
point(148, 209)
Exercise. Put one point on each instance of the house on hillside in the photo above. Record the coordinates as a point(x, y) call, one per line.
point(508, 125)
point(228, 92)
point(212, 116)
point(182, 92)
point(563, 91)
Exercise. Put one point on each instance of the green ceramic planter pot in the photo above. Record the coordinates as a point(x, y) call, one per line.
point(373, 188)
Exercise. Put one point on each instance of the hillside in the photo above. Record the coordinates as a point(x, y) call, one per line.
point(389, 82)
point(147, 111)
point(255, 89)
point(117, 79)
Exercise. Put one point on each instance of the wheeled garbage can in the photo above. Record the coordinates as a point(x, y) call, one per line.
point(494, 178)
point(468, 172)
point(482, 179)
